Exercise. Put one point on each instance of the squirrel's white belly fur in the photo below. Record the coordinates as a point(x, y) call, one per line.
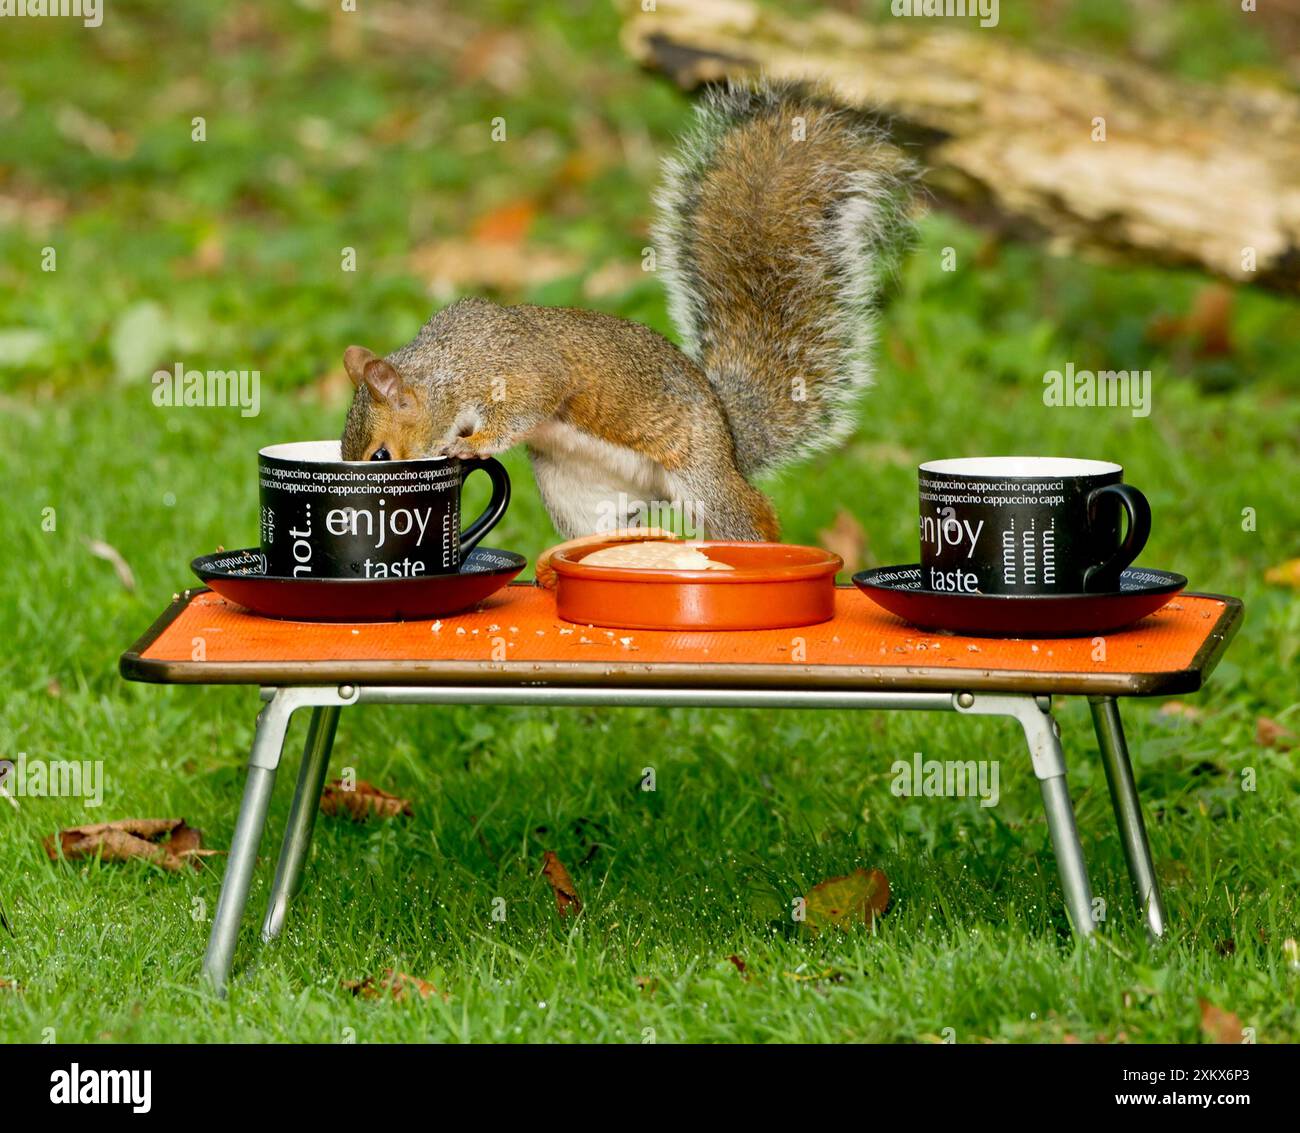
point(589, 484)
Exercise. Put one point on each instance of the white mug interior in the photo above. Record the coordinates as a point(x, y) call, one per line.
point(1021, 467)
point(326, 452)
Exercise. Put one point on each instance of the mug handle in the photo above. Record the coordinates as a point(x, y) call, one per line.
point(1105, 576)
point(496, 506)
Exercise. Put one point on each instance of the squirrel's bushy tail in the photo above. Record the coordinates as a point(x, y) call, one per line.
point(781, 214)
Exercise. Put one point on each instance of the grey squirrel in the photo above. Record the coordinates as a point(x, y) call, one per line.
point(779, 216)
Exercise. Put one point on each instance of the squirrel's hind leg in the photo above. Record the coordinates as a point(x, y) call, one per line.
point(725, 504)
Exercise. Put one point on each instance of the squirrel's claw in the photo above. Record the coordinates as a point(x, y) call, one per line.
point(476, 446)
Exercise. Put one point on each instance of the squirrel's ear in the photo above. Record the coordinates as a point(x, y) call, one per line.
point(384, 381)
point(354, 361)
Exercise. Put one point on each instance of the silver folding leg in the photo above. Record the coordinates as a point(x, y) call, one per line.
point(302, 817)
point(268, 744)
point(1043, 736)
point(1128, 810)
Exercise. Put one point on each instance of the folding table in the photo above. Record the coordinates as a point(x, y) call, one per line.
point(513, 650)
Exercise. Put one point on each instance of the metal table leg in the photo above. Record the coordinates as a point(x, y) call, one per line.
point(1043, 736)
point(268, 744)
point(1128, 810)
point(302, 817)
point(272, 723)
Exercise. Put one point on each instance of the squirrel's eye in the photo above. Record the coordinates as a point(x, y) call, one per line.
point(380, 453)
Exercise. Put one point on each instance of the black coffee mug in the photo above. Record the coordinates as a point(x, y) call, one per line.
point(1027, 525)
point(325, 517)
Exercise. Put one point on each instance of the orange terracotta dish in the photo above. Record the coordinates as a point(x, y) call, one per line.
point(769, 586)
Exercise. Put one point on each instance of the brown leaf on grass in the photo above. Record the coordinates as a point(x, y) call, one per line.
point(130, 838)
point(1269, 733)
point(739, 964)
point(1220, 1026)
point(567, 901)
point(394, 984)
point(506, 224)
point(847, 538)
point(1284, 574)
point(459, 265)
point(363, 801)
point(111, 554)
point(97, 136)
point(332, 388)
point(614, 277)
point(1207, 327)
point(647, 984)
point(494, 56)
point(857, 898)
point(1181, 710)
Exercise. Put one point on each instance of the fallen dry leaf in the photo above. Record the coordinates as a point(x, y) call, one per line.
point(111, 554)
point(739, 964)
point(363, 801)
point(614, 277)
point(1284, 574)
point(128, 838)
point(333, 387)
point(567, 901)
point(847, 538)
point(456, 266)
point(494, 56)
point(1220, 1026)
point(1269, 733)
point(857, 898)
point(1207, 327)
point(507, 224)
point(391, 983)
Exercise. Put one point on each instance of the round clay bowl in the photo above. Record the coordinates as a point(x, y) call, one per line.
point(774, 586)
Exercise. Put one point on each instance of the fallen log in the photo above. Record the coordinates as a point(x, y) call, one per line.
point(1099, 157)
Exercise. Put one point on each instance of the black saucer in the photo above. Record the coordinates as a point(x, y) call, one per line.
point(241, 577)
point(898, 590)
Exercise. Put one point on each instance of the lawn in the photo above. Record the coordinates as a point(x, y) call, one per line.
point(326, 133)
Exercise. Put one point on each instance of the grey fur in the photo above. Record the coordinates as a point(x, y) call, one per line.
point(837, 275)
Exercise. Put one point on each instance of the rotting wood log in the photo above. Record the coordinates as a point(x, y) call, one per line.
point(1187, 175)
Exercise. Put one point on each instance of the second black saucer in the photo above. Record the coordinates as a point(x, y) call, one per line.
point(898, 590)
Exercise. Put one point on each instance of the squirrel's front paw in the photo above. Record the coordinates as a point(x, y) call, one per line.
point(476, 446)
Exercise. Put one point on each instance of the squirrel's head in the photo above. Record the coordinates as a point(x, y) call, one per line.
point(389, 419)
point(444, 393)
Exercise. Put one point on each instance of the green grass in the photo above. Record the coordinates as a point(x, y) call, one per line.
point(751, 808)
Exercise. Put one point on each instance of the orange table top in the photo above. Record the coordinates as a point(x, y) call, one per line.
point(515, 638)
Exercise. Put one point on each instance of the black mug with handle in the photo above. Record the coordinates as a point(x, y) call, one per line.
point(325, 517)
point(1028, 525)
